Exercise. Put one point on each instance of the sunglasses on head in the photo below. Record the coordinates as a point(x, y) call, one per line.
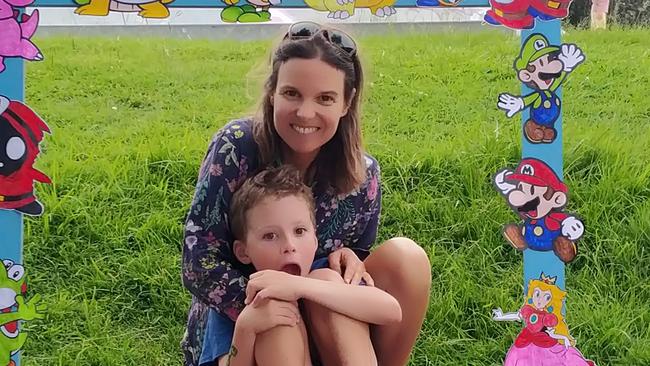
point(336, 37)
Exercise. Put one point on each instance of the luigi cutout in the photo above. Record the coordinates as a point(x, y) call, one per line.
point(543, 68)
point(538, 196)
point(256, 11)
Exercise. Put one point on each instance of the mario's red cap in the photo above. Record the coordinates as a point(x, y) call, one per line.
point(536, 172)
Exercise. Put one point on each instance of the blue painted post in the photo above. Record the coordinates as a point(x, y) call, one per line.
point(11, 222)
point(536, 262)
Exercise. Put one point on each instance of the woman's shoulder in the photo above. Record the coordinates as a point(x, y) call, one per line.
point(241, 128)
point(372, 166)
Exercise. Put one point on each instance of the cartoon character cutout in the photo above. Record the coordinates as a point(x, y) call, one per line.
point(256, 11)
point(155, 9)
point(15, 36)
point(545, 338)
point(21, 131)
point(14, 308)
point(543, 68)
point(441, 3)
point(537, 195)
point(343, 9)
point(521, 14)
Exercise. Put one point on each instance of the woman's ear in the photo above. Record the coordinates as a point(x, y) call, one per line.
point(241, 252)
point(348, 102)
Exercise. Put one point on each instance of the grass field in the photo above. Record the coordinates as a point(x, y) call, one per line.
point(131, 119)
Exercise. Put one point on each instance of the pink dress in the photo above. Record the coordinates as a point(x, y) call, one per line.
point(534, 347)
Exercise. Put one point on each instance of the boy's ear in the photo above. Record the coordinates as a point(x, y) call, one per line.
point(241, 252)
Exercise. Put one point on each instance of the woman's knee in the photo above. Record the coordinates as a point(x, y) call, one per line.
point(401, 259)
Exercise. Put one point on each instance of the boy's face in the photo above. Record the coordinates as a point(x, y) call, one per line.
point(280, 236)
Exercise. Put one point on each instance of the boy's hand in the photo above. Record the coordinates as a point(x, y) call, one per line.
point(354, 268)
point(269, 284)
point(268, 314)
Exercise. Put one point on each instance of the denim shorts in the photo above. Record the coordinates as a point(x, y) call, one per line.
point(219, 329)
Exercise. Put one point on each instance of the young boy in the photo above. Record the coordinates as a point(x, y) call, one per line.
point(272, 219)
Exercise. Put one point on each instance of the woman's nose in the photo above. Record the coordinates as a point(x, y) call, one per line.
point(306, 111)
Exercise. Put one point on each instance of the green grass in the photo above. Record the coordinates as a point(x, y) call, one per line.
point(131, 119)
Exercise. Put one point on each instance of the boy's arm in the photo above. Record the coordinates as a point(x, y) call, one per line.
point(363, 303)
point(242, 348)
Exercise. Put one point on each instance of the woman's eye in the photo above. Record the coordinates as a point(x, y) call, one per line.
point(327, 99)
point(269, 236)
point(290, 93)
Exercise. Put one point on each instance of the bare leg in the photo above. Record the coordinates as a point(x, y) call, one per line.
point(400, 267)
point(277, 346)
point(340, 340)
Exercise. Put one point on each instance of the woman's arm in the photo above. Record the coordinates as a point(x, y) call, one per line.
point(207, 268)
point(370, 202)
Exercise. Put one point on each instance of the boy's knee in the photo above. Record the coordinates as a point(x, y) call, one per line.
point(278, 345)
point(326, 274)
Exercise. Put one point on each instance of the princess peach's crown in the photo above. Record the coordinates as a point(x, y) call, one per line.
point(546, 279)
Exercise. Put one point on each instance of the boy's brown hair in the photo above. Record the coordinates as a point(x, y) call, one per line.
point(276, 182)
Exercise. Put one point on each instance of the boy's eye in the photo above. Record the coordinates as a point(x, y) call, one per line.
point(269, 236)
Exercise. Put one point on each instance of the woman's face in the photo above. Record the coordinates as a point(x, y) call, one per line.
point(307, 105)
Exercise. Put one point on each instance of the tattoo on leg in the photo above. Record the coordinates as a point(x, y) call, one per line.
point(232, 354)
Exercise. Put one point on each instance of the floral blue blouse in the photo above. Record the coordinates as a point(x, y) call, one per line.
point(210, 271)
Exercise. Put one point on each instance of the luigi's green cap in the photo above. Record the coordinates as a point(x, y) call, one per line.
point(535, 47)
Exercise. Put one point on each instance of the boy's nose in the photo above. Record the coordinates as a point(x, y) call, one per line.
point(289, 247)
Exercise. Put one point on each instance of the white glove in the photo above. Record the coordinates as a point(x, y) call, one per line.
point(572, 228)
point(275, 2)
point(571, 56)
point(497, 314)
point(500, 182)
point(510, 104)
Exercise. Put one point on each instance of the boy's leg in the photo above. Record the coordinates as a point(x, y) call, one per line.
point(278, 346)
point(340, 340)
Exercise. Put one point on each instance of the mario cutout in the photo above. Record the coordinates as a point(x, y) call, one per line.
point(521, 14)
point(545, 338)
point(21, 131)
point(543, 68)
point(16, 31)
point(536, 194)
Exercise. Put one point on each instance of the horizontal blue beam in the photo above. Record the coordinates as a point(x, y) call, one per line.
point(220, 4)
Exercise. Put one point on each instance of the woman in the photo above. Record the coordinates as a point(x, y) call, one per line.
point(309, 118)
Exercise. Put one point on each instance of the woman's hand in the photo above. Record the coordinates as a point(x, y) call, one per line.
point(346, 260)
point(270, 284)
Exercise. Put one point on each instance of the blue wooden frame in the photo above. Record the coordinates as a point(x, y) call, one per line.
point(12, 86)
